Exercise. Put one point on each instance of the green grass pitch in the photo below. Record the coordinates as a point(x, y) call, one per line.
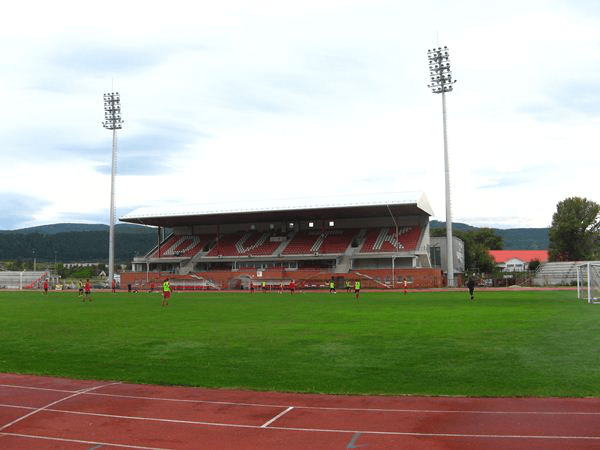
point(521, 343)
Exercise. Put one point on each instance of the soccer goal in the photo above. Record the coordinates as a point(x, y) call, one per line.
point(588, 280)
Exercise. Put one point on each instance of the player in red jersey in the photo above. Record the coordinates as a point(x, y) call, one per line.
point(87, 290)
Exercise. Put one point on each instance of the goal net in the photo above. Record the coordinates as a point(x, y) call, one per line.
point(588, 281)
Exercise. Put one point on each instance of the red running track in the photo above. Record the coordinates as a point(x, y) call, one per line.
point(55, 413)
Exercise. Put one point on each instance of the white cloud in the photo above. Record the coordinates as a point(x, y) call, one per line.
point(232, 100)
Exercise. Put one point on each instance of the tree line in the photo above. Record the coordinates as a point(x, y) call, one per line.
point(74, 246)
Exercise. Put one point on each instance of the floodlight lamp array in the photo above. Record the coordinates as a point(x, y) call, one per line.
point(439, 70)
point(112, 111)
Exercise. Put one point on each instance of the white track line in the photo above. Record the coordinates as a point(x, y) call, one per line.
point(454, 435)
point(35, 411)
point(266, 424)
point(79, 441)
point(323, 408)
point(325, 430)
point(17, 407)
point(331, 408)
point(35, 388)
point(89, 391)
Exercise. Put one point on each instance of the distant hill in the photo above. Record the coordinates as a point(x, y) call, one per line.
point(70, 242)
point(455, 225)
point(67, 227)
point(514, 238)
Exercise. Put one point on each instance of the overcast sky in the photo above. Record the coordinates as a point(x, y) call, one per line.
point(228, 101)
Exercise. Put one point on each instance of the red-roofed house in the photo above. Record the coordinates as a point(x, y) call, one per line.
point(517, 260)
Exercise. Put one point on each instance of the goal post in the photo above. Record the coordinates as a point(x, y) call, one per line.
point(588, 281)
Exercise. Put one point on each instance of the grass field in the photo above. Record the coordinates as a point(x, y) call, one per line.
point(521, 343)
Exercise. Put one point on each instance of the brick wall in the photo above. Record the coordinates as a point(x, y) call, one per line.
point(370, 279)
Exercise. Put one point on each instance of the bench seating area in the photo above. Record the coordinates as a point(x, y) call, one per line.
point(306, 242)
point(302, 243)
point(337, 241)
point(244, 243)
point(384, 239)
point(178, 246)
point(326, 242)
point(556, 273)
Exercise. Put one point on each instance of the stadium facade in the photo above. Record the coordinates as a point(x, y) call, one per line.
point(380, 239)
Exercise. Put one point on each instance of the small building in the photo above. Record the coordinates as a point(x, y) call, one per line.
point(517, 260)
point(439, 249)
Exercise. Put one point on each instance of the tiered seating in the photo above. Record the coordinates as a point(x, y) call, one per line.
point(22, 280)
point(326, 242)
point(182, 246)
point(384, 239)
point(256, 244)
point(244, 243)
point(164, 246)
point(337, 241)
point(410, 239)
point(379, 240)
point(226, 245)
point(303, 243)
point(554, 273)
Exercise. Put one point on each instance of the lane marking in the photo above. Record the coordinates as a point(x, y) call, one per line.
point(416, 434)
point(281, 414)
point(79, 441)
point(352, 443)
point(49, 405)
point(34, 388)
point(331, 408)
point(324, 408)
point(324, 430)
point(89, 391)
point(17, 407)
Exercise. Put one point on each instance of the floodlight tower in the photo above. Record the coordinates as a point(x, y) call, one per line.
point(112, 117)
point(442, 82)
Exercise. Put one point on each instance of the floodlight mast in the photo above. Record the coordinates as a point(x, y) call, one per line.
point(112, 117)
point(442, 82)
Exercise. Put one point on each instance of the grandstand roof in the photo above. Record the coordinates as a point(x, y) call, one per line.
point(324, 208)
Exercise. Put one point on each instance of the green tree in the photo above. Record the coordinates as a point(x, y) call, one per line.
point(84, 272)
point(533, 265)
point(575, 230)
point(487, 238)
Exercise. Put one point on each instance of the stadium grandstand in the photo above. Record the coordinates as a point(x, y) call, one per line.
point(380, 239)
